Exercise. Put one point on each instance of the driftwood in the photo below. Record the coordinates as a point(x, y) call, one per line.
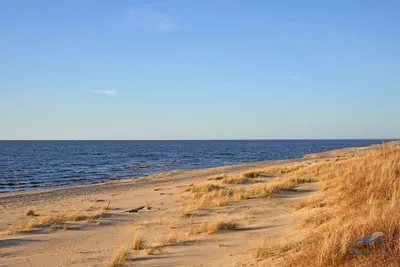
point(135, 210)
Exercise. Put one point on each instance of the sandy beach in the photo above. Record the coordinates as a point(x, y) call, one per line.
point(199, 217)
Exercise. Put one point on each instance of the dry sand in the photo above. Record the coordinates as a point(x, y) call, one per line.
point(94, 243)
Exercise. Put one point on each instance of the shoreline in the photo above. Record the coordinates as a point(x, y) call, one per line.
point(85, 171)
point(160, 176)
point(179, 225)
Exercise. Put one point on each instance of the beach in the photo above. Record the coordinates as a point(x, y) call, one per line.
point(197, 217)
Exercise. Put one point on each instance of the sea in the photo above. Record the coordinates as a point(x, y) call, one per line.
point(27, 165)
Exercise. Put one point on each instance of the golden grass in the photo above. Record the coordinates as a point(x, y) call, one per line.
point(216, 177)
point(120, 256)
point(314, 220)
point(202, 188)
point(30, 212)
point(205, 196)
point(274, 170)
point(105, 207)
point(311, 204)
point(60, 218)
point(253, 174)
point(23, 226)
point(212, 227)
point(363, 193)
point(152, 250)
point(170, 238)
point(266, 190)
point(212, 199)
point(138, 242)
point(47, 220)
point(209, 195)
point(230, 179)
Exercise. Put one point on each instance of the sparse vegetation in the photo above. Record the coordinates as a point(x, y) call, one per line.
point(30, 212)
point(152, 250)
point(253, 174)
point(121, 255)
point(201, 188)
point(212, 227)
point(170, 238)
point(216, 177)
point(47, 220)
point(105, 207)
point(66, 227)
point(138, 242)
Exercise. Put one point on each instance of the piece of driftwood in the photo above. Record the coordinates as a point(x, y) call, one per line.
point(135, 210)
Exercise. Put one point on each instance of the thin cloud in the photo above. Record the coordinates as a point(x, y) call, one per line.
point(151, 20)
point(295, 78)
point(105, 92)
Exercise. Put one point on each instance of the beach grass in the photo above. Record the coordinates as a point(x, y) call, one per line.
point(212, 227)
point(40, 221)
point(120, 256)
point(363, 194)
point(138, 242)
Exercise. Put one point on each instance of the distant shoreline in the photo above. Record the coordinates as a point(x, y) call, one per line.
point(137, 181)
point(200, 140)
point(37, 187)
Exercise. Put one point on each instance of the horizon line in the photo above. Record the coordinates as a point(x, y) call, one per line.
point(252, 139)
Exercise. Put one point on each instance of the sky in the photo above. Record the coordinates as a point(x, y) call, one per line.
point(210, 69)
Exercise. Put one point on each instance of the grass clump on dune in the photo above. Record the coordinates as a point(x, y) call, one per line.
point(138, 242)
point(202, 188)
point(212, 227)
point(364, 195)
point(120, 256)
point(230, 179)
point(253, 174)
point(30, 212)
point(47, 220)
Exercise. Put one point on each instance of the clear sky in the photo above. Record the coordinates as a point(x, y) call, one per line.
point(209, 69)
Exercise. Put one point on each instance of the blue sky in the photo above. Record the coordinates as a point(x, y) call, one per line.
point(183, 69)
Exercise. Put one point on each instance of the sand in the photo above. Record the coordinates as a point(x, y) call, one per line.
point(93, 243)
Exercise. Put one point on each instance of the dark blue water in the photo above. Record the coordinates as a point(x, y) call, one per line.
point(49, 164)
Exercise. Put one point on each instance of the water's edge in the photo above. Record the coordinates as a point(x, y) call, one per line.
point(26, 166)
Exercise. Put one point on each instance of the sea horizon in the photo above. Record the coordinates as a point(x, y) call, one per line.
point(43, 164)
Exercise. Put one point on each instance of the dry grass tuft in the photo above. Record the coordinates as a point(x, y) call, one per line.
point(216, 177)
point(170, 238)
point(253, 174)
point(105, 207)
point(299, 206)
point(47, 220)
point(120, 256)
point(138, 242)
point(217, 197)
point(23, 226)
point(60, 218)
point(152, 250)
point(30, 212)
point(203, 188)
point(212, 227)
point(66, 227)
